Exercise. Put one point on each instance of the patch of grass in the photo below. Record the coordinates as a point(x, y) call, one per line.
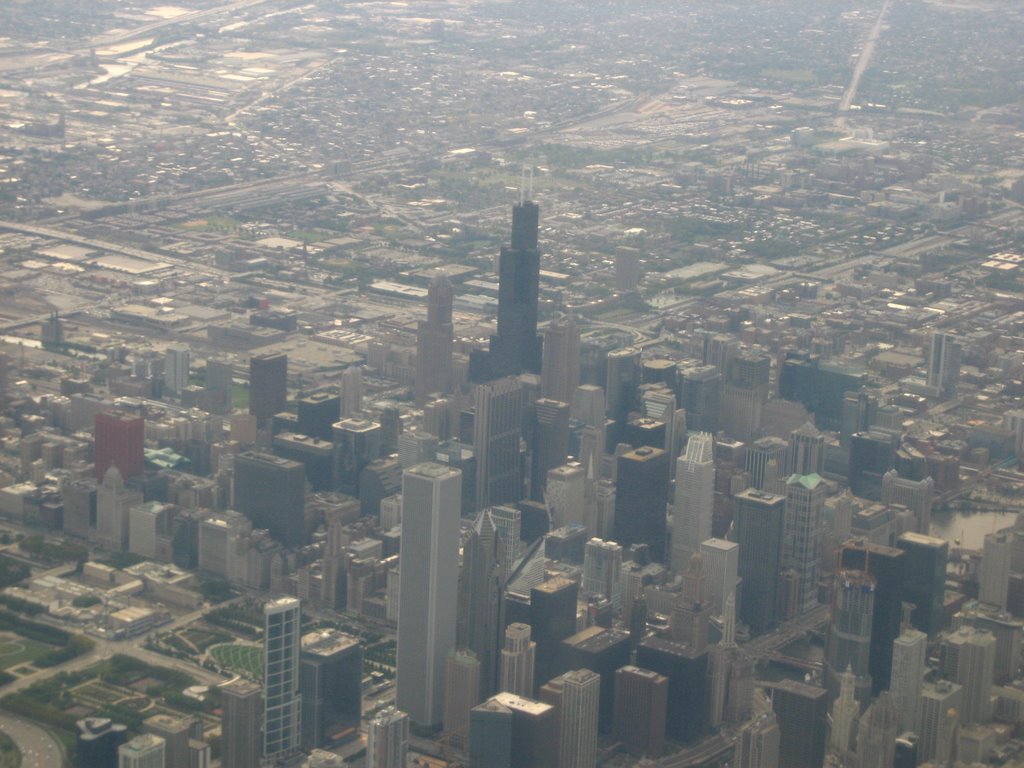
point(244, 659)
point(16, 650)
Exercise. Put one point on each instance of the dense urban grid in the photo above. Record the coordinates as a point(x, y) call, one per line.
point(512, 384)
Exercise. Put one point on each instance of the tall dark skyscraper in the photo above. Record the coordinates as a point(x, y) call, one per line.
point(687, 673)
point(268, 385)
point(497, 427)
point(516, 347)
point(330, 681)
point(271, 492)
point(641, 498)
point(886, 566)
point(759, 520)
point(925, 579)
point(552, 619)
point(434, 339)
point(803, 723)
point(242, 703)
point(549, 444)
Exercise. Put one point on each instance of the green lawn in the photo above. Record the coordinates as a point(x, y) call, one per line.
point(16, 650)
point(244, 659)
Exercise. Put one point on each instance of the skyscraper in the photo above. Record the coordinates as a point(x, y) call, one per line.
point(806, 451)
point(602, 571)
point(641, 705)
point(603, 651)
point(113, 504)
point(721, 561)
point(516, 347)
point(560, 373)
point(552, 620)
point(431, 498)
point(622, 379)
point(995, 569)
point(271, 492)
point(849, 634)
point(803, 723)
point(886, 565)
point(877, 732)
point(176, 368)
point(316, 413)
point(176, 732)
point(687, 673)
point(549, 443)
point(480, 602)
point(937, 700)
point(909, 653)
point(805, 501)
point(514, 732)
point(461, 694)
point(282, 702)
point(691, 614)
point(924, 584)
point(968, 657)
point(497, 427)
point(759, 743)
point(701, 397)
point(579, 695)
point(119, 439)
point(352, 392)
point(330, 681)
point(944, 353)
point(242, 706)
point(518, 660)
point(759, 520)
point(434, 341)
point(357, 443)
point(145, 751)
point(268, 385)
point(387, 739)
point(694, 499)
point(845, 711)
point(766, 461)
point(640, 500)
point(915, 495)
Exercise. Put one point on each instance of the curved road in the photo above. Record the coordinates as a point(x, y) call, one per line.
point(38, 748)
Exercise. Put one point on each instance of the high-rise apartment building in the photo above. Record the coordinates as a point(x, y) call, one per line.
point(241, 721)
point(434, 341)
point(937, 700)
point(429, 576)
point(497, 428)
point(694, 499)
point(282, 702)
point(268, 385)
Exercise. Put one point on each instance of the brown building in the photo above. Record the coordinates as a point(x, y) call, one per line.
point(641, 706)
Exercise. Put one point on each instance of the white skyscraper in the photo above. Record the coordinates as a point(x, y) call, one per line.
point(351, 391)
point(968, 656)
point(694, 501)
point(387, 739)
point(995, 569)
point(909, 652)
point(721, 563)
point(844, 717)
point(805, 502)
point(581, 693)
point(282, 702)
point(602, 571)
point(518, 660)
point(176, 368)
point(429, 578)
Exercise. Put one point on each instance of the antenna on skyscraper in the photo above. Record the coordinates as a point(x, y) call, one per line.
point(526, 185)
point(522, 186)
